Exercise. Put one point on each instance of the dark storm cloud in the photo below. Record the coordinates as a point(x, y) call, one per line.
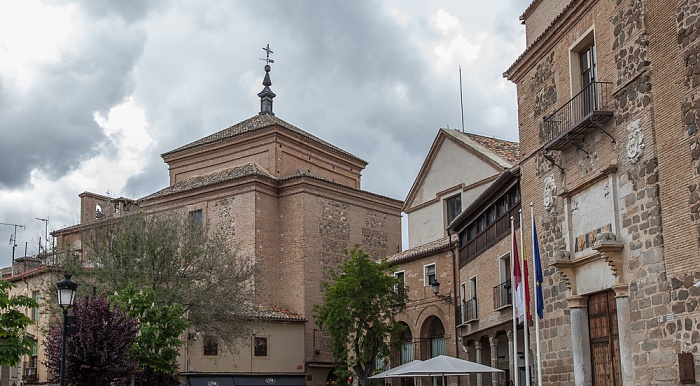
point(50, 126)
point(344, 71)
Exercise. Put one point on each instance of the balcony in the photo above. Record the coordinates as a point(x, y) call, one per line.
point(502, 296)
point(469, 310)
point(589, 109)
point(29, 371)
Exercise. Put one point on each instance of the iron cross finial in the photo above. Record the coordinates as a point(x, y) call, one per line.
point(268, 51)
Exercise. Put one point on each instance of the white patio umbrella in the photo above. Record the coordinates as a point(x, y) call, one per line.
point(390, 373)
point(443, 365)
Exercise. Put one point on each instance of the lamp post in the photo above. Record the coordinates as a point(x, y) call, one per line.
point(66, 294)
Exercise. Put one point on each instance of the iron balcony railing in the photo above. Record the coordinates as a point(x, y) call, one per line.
point(29, 371)
point(502, 295)
point(577, 115)
point(469, 310)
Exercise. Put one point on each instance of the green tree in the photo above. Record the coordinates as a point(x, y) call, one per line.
point(158, 341)
point(359, 304)
point(179, 259)
point(98, 353)
point(14, 342)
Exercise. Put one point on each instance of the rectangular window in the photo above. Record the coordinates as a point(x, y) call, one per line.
point(400, 288)
point(37, 297)
point(429, 277)
point(453, 207)
point(210, 345)
point(260, 347)
point(196, 218)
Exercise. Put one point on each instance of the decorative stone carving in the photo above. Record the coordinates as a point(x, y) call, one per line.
point(562, 254)
point(605, 238)
point(550, 191)
point(635, 141)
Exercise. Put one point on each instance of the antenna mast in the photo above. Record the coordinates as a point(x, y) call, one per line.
point(461, 100)
point(13, 241)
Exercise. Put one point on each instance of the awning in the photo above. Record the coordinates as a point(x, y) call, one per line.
point(211, 381)
point(270, 380)
point(248, 380)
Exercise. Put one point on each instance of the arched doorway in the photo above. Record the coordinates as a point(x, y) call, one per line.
point(406, 345)
point(436, 336)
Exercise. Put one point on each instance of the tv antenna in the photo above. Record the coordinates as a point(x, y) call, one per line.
point(13, 242)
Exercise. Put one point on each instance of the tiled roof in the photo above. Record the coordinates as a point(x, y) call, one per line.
point(254, 123)
point(27, 274)
point(270, 312)
point(508, 151)
point(245, 170)
point(421, 250)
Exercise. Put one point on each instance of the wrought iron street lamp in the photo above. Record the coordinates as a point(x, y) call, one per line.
point(436, 290)
point(66, 294)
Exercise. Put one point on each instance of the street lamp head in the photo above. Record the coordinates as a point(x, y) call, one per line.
point(66, 291)
point(436, 287)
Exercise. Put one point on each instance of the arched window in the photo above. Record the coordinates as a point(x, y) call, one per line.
point(406, 341)
point(437, 338)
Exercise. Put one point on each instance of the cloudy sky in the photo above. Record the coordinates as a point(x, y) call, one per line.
point(93, 91)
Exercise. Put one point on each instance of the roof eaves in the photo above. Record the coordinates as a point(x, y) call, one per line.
point(531, 47)
point(438, 245)
point(502, 180)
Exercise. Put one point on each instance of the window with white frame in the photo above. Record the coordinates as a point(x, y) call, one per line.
point(430, 274)
point(400, 288)
point(502, 293)
point(463, 296)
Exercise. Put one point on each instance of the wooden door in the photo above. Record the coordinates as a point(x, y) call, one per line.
point(605, 344)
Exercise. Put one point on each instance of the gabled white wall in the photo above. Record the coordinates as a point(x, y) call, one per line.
point(452, 168)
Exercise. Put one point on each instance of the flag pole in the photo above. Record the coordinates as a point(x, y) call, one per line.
point(538, 287)
point(526, 348)
point(513, 253)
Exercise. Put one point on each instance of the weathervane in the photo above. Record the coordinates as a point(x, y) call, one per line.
point(268, 51)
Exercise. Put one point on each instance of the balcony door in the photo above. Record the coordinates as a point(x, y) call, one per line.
point(587, 63)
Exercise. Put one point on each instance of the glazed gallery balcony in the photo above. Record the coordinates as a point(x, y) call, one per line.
point(587, 110)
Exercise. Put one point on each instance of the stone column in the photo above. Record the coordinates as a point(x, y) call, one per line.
point(493, 342)
point(466, 356)
point(477, 348)
point(511, 358)
point(624, 333)
point(580, 339)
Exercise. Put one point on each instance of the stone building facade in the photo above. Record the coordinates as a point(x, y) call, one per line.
point(290, 203)
point(441, 316)
point(607, 109)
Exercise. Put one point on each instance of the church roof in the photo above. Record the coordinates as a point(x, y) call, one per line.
point(216, 177)
point(255, 123)
point(245, 170)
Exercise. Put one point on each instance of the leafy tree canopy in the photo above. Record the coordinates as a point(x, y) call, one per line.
point(156, 346)
point(179, 259)
point(359, 304)
point(14, 342)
